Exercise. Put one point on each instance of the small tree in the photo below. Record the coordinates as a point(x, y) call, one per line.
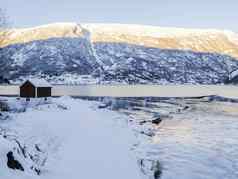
point(3, 26)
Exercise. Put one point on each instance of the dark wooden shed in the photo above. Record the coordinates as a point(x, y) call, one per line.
point(35, 88)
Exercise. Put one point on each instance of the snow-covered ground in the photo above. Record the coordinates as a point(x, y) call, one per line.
point(72, 138)
point(68, 138)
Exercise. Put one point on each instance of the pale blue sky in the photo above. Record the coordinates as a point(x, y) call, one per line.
point(222, 14)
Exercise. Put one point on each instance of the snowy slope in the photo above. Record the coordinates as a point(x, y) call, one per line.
point(200, 40)
point(43, 32)
point(76, 139)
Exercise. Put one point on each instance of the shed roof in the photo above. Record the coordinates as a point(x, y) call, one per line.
point(38, 82)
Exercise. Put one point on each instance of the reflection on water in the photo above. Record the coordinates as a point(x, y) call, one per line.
point(200, 142)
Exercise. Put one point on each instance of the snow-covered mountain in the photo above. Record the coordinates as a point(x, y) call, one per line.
point(119, 53)
point(200, 40)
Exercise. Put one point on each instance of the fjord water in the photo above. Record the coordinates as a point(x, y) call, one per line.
point(228, 91)
point(199, 144)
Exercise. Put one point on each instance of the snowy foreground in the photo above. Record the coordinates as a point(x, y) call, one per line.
point(68, 138)
point(121, 139)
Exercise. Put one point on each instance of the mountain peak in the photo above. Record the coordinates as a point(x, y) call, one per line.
point(43, 32)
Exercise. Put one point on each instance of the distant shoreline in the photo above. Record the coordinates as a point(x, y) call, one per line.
point(227, 91)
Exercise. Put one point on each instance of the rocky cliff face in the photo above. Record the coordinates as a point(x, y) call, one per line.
point(119, 54)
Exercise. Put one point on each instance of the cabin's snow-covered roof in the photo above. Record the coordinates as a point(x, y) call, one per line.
point(39, 82)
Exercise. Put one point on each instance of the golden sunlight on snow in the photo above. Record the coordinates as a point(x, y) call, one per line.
point(200, 40)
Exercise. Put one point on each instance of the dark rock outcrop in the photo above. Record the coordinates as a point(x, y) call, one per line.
point(12, 163)
point(157, 121)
